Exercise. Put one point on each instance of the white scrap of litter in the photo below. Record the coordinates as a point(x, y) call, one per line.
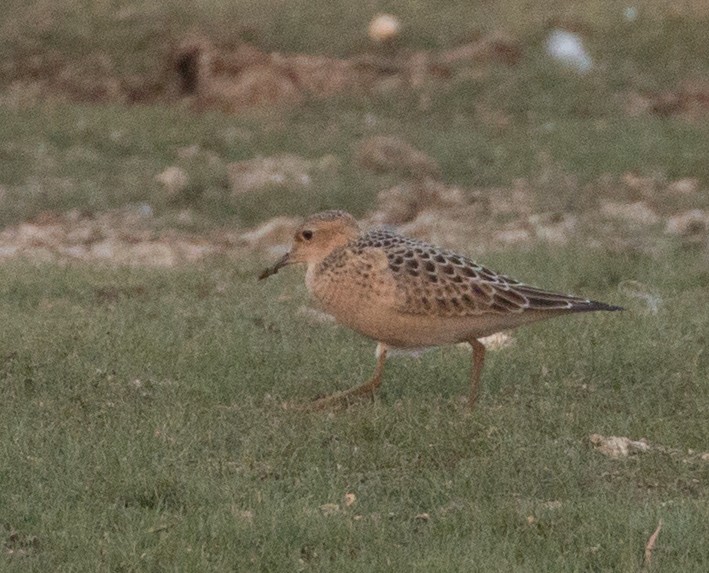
point(630, 13)
point(497, 341)
point(567, 48)
point(618, 446)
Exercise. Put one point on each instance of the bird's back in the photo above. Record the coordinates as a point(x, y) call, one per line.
point(417, 294)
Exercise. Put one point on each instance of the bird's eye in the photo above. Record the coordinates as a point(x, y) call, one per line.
point(307, 234)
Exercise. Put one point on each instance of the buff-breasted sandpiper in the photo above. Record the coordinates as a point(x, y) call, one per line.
point(405, 293)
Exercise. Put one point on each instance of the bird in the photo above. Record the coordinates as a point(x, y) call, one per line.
point(405, 293)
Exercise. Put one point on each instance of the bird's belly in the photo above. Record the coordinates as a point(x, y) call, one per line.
point(417, 331)
point(371, 307)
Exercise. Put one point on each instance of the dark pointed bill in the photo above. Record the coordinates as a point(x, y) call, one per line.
point(282, 262)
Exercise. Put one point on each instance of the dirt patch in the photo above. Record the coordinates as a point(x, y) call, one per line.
point(692, 225)
point(133, 236)
point(617, 447)
point(616, 214)
point(174, 180)
point(287, 170)
point(612, 217)
point(231, 79)
point(387, 154)
point(626, 213)
point(124, 236)
point(690, 100)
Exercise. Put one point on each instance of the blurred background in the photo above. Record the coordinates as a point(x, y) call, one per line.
point(183, 127)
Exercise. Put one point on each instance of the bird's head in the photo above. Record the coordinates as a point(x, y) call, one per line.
point(316, 238)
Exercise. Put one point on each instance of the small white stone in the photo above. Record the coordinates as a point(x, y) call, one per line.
point(384, 28)
point(174, 180)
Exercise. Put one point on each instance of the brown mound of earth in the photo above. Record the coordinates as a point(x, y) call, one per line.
point(232, 79)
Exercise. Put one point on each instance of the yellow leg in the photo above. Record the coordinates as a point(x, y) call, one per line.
point(476, 370)
point(366, 389)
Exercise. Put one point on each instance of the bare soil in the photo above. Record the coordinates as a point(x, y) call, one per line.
point(630, 213)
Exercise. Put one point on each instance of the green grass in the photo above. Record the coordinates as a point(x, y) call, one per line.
point(142, 429)
point(81, 29)
point(141, 426)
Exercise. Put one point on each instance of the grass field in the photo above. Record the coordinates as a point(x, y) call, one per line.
point(143, 430)
point(142, 425)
